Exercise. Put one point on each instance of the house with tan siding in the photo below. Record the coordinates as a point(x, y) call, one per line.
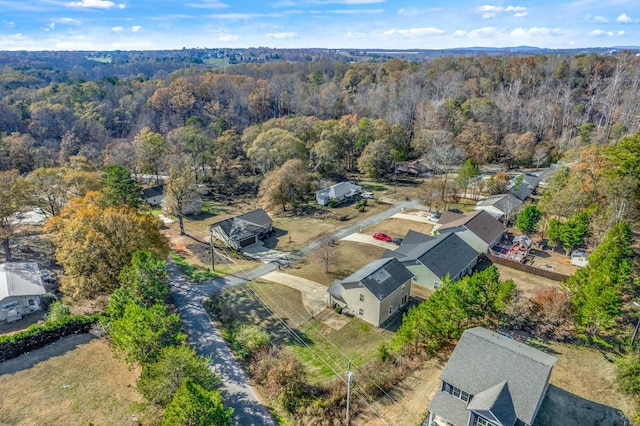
point(375, 292)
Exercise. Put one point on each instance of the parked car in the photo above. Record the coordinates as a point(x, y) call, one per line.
point(382, 237)
point(434, 217)
point(397, 241)
point(39, 210)
point(456, 211)
point(367, 195)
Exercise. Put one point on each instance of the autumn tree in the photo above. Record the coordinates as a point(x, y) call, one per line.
point(14, 196)
point(288, 185)
point(376, 160)
point(94, 243)
point(181, 189)
point(151, 150)
point(119, 188)
point(273, 148)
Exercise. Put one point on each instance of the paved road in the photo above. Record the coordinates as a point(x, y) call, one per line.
point(206, 339)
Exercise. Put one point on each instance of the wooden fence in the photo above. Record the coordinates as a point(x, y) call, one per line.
point(526, 268)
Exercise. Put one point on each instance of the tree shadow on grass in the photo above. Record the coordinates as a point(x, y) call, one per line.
point(562, 408)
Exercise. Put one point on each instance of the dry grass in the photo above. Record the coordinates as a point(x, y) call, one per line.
point(528, 284)
point(101, 390)
point(296, 232)
point(348, 257)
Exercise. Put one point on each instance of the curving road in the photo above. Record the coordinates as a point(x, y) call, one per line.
point(206, 339)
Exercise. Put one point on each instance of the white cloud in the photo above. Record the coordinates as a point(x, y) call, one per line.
point(228, 37)
point(97, 4)
point(8, 24)
point(601, 33)
point(401, 11)
point(283, 35)
point(486, 32)
point(621, 33)
point(136, 28)
point(66, 21)
point(624, 19)
point(117, 29)
point(208, 4)
point(415, 32)
point(355, 35)
point(600, 19)
point(536, 32)
point(489, 11)
point(460, 33)
point(351, 11)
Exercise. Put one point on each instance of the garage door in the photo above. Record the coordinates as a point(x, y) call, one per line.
point(248, 241)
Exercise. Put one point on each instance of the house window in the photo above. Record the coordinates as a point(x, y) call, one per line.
point(361, 297)
point(404, 299)
point(459, 393)
point(31, 302)
point(360, 311)
point(403, 286)
point(390, 309)
point(436, 284)
point(481, 421)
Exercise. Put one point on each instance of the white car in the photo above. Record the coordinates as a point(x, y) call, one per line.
point(367, 195)
point(433, 217)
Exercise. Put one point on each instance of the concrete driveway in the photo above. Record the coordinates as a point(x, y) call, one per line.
point(368, 239)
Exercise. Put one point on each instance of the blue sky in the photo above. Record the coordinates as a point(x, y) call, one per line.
point(383, 24)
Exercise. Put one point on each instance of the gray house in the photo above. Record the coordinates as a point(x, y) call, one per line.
point(375, 292)
point(501, 206)
point(154, 195)
point(525, 188)
point(341, 192)
point(244, 230)
point(20, 289)
point(430, 259)
point(491, 380)
point(478, 229)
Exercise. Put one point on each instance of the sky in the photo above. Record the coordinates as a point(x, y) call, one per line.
point(362, 24)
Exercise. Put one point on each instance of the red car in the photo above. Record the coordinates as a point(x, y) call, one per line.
point(382, 237)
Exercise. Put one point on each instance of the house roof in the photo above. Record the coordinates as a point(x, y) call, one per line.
point(481, 223)
point(20, 279)
point(451, 408)
point(154, 191)
point(527, 186)
point(341, 189)
point(449, 254)
point(447, 217)
point(381, 277)
point(497, 400)
point(483, 359)
point(503, 202)
point(246, 225)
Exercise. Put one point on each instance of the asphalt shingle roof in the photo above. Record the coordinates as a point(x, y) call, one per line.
point(20, 279)
point(483, 359)
point(481, 223)
point(449, 254)
point(381, 277)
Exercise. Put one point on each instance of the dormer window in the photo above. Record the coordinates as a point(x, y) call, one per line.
point(481, 421)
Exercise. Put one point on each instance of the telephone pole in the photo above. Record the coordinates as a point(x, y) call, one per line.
point(213, 256)
point(349, 380)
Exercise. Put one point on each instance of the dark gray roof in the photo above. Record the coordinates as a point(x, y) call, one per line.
point(446, 217)
point(335, 289)
point(448, 254)
point(451, 408)
point(527, 186)
point(154, 191)
point(414, 237)
point(257, 217)
point(483, 359)
point(497, 400)
point(381, 277)
point(246, 225)
point(481, 223)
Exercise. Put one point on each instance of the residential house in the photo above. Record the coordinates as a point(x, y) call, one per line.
point(523, 185)
point(153, 196)
point(193, 206)
point(431, 259)
point(375, 292)
point(20, 289)
point(244, 230)
point(341, 192)
point(477, 228)
point(491, 380)
point(501, 206)
point(414, 168)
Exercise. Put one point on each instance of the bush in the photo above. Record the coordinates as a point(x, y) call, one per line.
point(332, 202)
point(160, 380)
point(40, 335)
point(248, 339)
point(193, 405)
point(58, 311)
point(338, 309)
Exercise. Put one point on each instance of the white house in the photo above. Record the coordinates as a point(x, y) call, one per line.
point(20, 289)
point(340, 192)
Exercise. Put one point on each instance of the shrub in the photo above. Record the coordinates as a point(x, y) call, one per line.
point(58, 311)
point(193, 405)
point(338, 309)
point(332, 202)
point(248, 339)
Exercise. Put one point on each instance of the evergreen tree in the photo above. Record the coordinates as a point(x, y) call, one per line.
point(193, 405)
point(120, 188)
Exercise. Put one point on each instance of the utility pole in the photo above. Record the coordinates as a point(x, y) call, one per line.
point(349, 380)
point(213, 256)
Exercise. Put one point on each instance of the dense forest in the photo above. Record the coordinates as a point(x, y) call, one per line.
point(516, 110)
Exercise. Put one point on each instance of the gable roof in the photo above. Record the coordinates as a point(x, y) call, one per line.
point(482, 359)
point(20, 279)
point(341, 189)
point(502, 202)
point(496, 399)
point(154, 191)
point(246, 225)
point(448, 254)
point(481, 223)
point(527, 186)
point(381, 277)
point(447, 217)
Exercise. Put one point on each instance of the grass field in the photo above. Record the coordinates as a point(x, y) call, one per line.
point(83, 386)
